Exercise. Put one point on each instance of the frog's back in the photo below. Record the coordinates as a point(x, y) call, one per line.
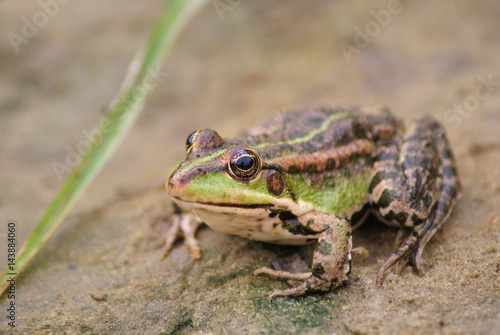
point(326, 155)
point(315, 131)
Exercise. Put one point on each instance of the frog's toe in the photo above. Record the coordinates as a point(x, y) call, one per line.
point(415, 260)
point(361, 252)
point(282, 274)
point(183, 225)
point(399, 255)
point(312, 284)
point(309, 283)
point(173, 235)
point(401, 264)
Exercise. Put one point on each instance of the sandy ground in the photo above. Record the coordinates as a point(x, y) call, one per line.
point(100, 273)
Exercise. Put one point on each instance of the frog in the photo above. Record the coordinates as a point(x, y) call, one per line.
point(312, 176)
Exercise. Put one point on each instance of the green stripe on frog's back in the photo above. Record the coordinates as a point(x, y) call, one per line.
point(315, 141)
point(300, 135)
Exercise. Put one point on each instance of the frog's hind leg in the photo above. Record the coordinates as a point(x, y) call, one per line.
point(449, 192)
point(414, 185)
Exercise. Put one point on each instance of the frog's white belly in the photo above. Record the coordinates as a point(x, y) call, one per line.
point(252, 223)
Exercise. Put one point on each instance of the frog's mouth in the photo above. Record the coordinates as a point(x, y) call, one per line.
point(248, 210)
point(240, 209)
point(255, 222)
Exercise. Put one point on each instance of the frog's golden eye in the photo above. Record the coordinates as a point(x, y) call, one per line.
point(191, 139)
point(244, 164)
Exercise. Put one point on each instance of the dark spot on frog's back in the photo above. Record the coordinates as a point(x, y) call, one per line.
point(286, 147)
point(330, 164)
point(293, 169)
point(359, 131)
point(307, 147)
point(341, 138)
point(312, 168)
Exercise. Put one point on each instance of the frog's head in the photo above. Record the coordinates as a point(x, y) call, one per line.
point(226, 174)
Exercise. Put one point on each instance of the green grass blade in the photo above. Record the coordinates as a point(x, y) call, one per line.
point(122, 114)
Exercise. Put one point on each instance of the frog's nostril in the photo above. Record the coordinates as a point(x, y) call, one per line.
point(201, 171)
point(171, 182)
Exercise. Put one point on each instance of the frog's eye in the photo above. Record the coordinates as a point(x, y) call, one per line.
point(244, 164)
point(191, 139)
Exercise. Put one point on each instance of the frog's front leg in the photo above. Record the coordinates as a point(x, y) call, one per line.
point(414, 185)
point(332, 256)
point(183, 225)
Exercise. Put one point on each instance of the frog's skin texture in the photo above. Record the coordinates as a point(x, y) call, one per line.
point(310, 176)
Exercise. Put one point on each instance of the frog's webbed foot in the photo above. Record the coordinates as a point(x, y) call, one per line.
point(310, 283)
point(411, 249)
point(183, 225)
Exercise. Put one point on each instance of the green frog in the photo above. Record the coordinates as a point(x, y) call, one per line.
point(311, 176)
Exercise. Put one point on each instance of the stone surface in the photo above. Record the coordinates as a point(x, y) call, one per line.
point(230, 69)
